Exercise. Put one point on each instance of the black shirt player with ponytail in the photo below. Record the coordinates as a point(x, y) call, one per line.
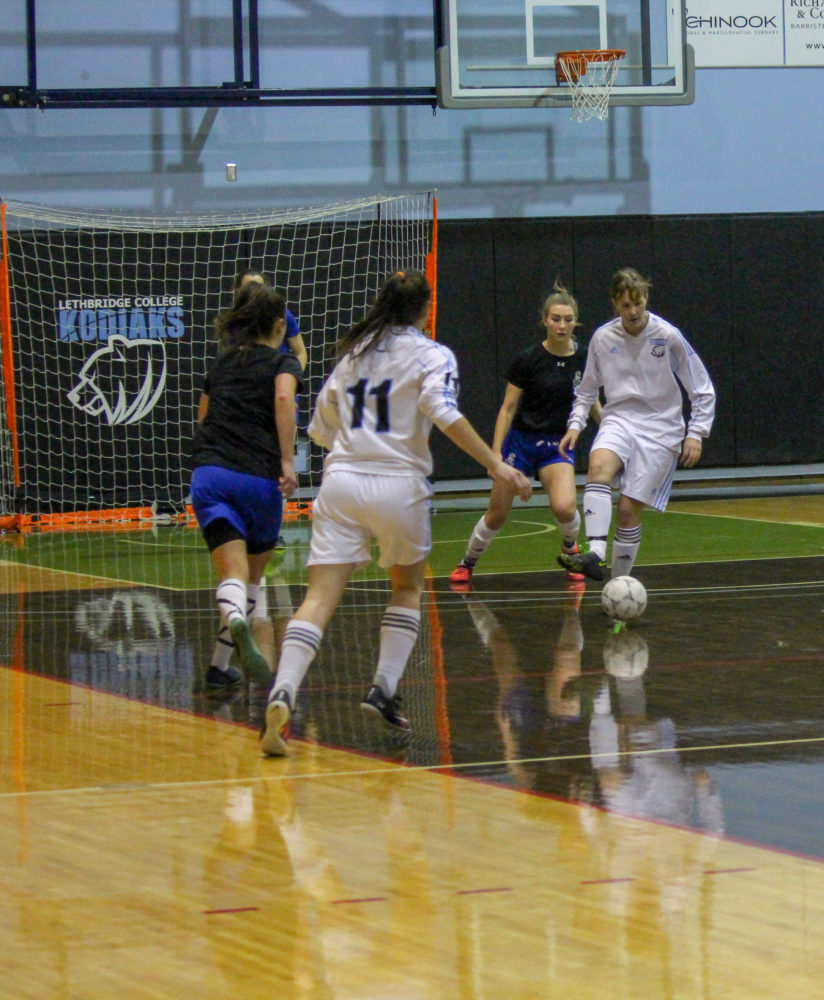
point(243, 459)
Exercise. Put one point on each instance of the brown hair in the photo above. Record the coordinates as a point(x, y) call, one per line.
point(400, 301)
point(253, 312)
point(629, 281)
point(241, 276)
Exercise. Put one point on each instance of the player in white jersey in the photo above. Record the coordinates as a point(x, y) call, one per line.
point(641, 361)
point(374, 415)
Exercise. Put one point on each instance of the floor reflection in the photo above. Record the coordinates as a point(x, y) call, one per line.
point(708, 714)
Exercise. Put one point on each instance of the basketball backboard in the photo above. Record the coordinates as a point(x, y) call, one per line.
point(501, 53)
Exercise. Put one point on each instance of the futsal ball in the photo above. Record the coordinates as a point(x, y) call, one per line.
point(624, 598)
point(626, 654)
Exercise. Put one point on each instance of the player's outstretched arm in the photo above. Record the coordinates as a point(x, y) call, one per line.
point(299, 350)
point(506, 415)
point(503, 473)
point(464, 435)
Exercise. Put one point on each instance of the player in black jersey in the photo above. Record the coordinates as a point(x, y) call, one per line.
point(221, 676)
point(243, 458)
point(532, 420)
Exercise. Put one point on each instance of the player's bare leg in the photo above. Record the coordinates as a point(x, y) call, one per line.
point(558, 481)
point(301, 640)
point(497, 511)
point(603, 466)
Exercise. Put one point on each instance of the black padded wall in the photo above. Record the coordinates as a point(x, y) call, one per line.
point(600, 247)
point(776, 268)
point(747, 292)
point(466, 323)
point(529, 259)
point(690, 271)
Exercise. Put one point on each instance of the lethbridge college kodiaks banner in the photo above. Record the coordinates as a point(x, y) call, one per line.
point(107, 395)
point(112, 331)
point(756, 33)
point(126, 394)
point(125, 376)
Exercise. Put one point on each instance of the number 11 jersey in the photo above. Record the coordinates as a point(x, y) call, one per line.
point(375, 412)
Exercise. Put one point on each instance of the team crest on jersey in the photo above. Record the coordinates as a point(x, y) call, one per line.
point(576, 379)
point(122, 381)
point(658, 348)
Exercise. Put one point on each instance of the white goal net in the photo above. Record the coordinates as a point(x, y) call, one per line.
point(107, 330)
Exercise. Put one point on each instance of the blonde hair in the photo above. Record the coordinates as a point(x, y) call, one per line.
point(559, 296)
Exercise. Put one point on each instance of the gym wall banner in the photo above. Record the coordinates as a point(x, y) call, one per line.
point(756, 33)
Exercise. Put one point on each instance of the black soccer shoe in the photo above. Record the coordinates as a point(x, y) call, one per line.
point(376, 703)
point(223, 680)
point(587, 563)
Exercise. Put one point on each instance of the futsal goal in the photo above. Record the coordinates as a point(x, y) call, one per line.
point(106, 329)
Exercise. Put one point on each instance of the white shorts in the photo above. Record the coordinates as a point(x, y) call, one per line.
point(352, 508)
point(648, 466)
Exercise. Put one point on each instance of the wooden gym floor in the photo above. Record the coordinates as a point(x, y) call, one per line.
point(578, 813)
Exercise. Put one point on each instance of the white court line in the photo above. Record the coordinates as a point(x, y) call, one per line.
point(757, 520)
point(72, 572)
point(404, 769)
point(542, 529)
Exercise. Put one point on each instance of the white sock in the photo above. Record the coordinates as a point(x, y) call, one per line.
point(231, 599)
point(299, 647)
point(597, 516)
point(625, 550)
point(399, 633)
point(572, 635)
point(479, 542)
point(256, 604)
point(224, 647)
point(569, 531)
point(483, 619)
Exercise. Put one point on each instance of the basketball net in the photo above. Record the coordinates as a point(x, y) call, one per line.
point(590, 75)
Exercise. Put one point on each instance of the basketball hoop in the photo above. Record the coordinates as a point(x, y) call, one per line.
point(590, 74)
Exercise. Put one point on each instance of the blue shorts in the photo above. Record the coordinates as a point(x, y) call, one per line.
point(251, 504)
point(529, 453)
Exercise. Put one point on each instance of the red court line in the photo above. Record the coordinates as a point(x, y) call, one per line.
point(605, 881)
point(235, 909)
point(472, 892)
point(727, 871)
point(366, 899)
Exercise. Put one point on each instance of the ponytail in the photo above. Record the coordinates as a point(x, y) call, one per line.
point(400, 302)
